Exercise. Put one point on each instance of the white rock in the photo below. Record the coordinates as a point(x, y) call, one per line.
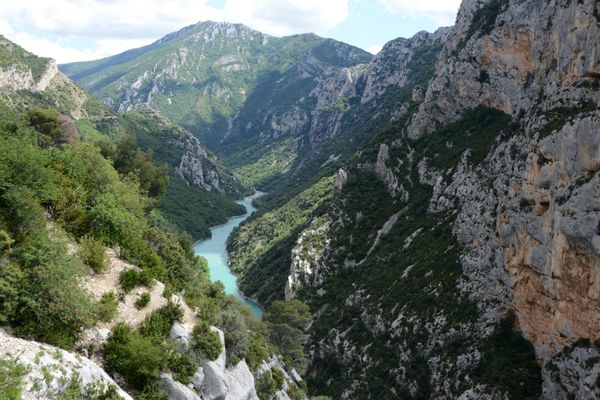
point(176, 390)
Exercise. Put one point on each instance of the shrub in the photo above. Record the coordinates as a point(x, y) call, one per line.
point(157, 324)
point(206, 342)
point(134, 356)
point(172, 312)
point(287, 322)
point(131, 278)
point(93, 253)
point(143, 300)
point(266, 387)
point(51, 305)
point(183, 366)
point(11, 376)
point(278, 377)
point(76, 390)
point(108, 306)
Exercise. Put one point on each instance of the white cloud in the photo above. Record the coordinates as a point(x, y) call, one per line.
point(443, 12)
point(376, 48)
point(111, 26)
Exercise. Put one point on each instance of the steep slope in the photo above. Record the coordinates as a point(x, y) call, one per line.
point(28, 80)
point(262, 104)
point(200, 74)
point(198, 181)
point(475, 258)
point(377, 95)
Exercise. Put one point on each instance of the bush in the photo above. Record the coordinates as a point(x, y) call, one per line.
point(50, 304)
point(157, 324)
point(76, 390)
point(134, 356)
point(266, 387)
point(278, 377)
point(108, 306)
point(206, 342)
point(183, 366)
point(93, 253)
point(131, 278)
point(143, 300)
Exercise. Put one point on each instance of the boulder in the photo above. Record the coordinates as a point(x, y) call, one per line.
point(216, 382)
point(181, 337)
point(241, 383)
point(198, 380)
point(51, 369)
point(176, 390)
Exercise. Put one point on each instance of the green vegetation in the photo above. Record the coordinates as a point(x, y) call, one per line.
point(76, 390)
point(135, 356)
point(400, 274)
point(560, 116)
point(287, 322)
point(485, 17)
point(11, 375)
point(93, 253)
point(446, 146)
point(195, 210)
point(129, 159)
point(191, 208)
point(271, 164)
point(206, 342)
point(143, 300)
point(263, 264)
point(11, 54)
point(266, 387)
point(509, 363)
point(108, 306)
point(131, 278)
point(206, 93)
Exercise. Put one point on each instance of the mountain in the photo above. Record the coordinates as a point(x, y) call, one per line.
point(434, 206)
point(101, 294)
point(256, 101)
point(456, 257)
point(203, 72)
point(197, 178)
point(379, 94)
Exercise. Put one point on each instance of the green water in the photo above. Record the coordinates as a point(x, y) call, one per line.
point(215, 251)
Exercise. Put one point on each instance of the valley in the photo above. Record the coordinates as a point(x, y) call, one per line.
point(292, 217)
point(214, 250)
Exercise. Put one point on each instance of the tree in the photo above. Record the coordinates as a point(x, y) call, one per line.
point(287, 322)
point(134, 356)
point(206, 342)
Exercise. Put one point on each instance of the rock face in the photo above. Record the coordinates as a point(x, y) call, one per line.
point(196, 166)
point(213, 381)
point(521, 211)
point(50, 369)
point(23, 74)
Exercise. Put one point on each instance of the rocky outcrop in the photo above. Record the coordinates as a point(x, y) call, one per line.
point(197, 166)
point(524, 214)
point(393, 65)
point(308, 267)
point(517, 58)
point(212, 381)
point(20, 77)
point(574, 373)
point(50, 370)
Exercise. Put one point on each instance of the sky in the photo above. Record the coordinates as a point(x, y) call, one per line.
point(81, 30)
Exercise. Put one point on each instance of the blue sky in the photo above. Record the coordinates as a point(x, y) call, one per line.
point(78, 30)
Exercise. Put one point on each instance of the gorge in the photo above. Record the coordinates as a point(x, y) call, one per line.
point(430, 227)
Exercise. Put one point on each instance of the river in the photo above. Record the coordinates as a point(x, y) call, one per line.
point(215, 251)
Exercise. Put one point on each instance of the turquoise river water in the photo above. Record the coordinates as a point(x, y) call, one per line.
point(215, 251)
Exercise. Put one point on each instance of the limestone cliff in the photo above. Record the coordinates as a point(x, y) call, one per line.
point(503, 149)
